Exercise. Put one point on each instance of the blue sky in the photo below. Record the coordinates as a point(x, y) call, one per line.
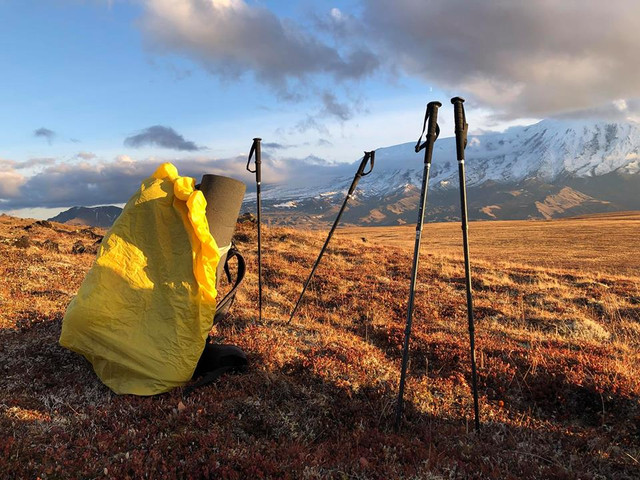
point(94, 94)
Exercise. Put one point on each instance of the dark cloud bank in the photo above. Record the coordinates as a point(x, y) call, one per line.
point(42, 132)
point(161, 136)
point(99, 183)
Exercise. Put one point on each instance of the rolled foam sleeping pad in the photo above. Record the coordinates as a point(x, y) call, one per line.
point(224, 197)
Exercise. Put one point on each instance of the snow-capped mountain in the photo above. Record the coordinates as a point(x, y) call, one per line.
point(546, 150)
point(551, 169)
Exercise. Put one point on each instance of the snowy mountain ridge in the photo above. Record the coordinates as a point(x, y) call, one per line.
point(552, 152)
point(545, 150)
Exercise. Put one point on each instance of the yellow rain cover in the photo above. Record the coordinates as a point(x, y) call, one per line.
point(143, 312)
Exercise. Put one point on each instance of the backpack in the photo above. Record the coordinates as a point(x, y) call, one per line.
point(144, 311)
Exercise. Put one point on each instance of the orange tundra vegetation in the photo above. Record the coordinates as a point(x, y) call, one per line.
point(558, 337)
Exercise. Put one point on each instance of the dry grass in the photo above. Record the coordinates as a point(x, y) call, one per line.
point(558, 351)
point(606, 243)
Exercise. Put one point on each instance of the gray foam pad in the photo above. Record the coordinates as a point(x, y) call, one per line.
point(224, 197)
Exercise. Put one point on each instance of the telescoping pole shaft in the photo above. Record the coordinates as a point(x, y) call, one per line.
point(461, 128)
point(432, 133)
point(257, 151)
point(369, 158)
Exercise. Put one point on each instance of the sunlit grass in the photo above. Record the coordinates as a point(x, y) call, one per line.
point(557, 333)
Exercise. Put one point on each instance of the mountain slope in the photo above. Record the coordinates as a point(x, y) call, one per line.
point(93, 216)
point(551, 169)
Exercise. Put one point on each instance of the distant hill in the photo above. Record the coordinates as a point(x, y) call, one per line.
point(92, 216)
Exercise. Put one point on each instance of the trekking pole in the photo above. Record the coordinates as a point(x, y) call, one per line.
point(255, 148)
point(461, 142)
point(433, 130)
point(369, 157)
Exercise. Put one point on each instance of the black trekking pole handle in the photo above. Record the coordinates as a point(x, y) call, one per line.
point(368, 159)
point(432, 128)
point(461, 126)
point(256, 150)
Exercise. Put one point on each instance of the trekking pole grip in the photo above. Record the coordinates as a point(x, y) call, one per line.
point(368, 159)
point(433, 130)
point(257, 152)
point(461, 125)
point(432, 108)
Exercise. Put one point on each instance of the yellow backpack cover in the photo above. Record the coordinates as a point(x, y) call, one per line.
point(144, 310)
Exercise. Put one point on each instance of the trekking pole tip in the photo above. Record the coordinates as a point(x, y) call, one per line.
point(455, 100)
point(257, 139)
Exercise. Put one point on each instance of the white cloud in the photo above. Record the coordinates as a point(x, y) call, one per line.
point(6, 164)
point(231, 38)
point(86, 155)
point(10, 184)
point(37, 213)
point(35, 162)
point(124, 159)
point(620, 104)
point(519, 58)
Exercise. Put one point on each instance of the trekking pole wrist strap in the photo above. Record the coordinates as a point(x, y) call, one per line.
point(430, 116)
point(223, 305)
point(369, 158)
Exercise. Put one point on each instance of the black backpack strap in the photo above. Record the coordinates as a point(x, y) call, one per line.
point(215, 361)
point(223, 306)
